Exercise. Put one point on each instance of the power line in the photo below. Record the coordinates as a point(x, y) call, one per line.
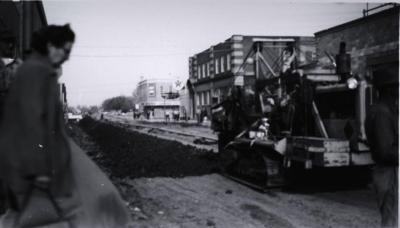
point(126, 56)
point(142, 55)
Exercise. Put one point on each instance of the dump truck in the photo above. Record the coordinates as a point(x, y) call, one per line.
point(309, 116)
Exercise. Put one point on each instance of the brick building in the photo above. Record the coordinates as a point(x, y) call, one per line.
point(213, 72)
point(371, 41)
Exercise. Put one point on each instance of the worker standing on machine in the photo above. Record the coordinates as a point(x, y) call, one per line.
point(382, 133)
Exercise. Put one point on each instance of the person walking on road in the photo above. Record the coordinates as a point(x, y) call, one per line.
point(167, 116)
point(382, 131)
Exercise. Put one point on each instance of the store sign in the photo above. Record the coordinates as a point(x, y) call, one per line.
point(178, 85)
point(238, 81)
point(152, 90)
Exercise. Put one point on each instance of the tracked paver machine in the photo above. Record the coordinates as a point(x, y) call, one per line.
point(308, 116)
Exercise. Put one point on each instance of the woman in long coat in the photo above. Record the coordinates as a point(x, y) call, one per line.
point(35, 152)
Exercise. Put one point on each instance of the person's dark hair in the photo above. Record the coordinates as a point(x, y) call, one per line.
point(54, 34)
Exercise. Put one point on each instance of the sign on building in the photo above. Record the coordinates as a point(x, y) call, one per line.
point(152, 90)
point(178, 85)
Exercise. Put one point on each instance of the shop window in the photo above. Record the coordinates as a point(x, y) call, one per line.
point(216, 95)
point(216, 66)
point(151, 90)
point(198, 72)
point(228, 62)
point(198, 99)
point(222, 64)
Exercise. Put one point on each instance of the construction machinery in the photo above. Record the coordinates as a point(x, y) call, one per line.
point(308, 116)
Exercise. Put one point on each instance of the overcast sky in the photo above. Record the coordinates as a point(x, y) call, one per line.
point(120, 41)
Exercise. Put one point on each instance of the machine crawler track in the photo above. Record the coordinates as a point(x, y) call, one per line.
point(253, 169)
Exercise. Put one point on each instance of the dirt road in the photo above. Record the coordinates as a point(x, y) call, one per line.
point(214, 201)
point(211, 200)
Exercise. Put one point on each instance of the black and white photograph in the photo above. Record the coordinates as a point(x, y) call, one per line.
point(199, 114)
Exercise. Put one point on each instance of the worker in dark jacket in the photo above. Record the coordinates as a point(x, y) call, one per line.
point(382, 133)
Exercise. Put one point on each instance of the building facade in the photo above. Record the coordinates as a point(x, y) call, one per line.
point(18, 20)
point(371, 41)
point(152, 98)
point(213, 72)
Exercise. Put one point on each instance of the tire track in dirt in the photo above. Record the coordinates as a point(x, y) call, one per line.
point(213, 203)
point(296, 210)
point(243, 200)
point(269, 220)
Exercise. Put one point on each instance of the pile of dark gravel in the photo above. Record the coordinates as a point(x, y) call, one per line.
point(131, 154)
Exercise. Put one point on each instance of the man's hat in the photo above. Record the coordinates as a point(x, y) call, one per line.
point(385, 76)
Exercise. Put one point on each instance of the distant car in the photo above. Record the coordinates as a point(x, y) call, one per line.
point(74, 117)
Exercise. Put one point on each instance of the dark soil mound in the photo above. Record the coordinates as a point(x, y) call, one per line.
point(127, 153)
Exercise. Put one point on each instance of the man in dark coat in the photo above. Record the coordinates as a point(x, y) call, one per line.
point(382, 131)
point(36, 154)
point(34, 148)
